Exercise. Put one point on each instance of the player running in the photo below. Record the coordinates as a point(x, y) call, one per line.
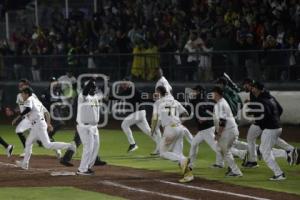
point(162, 81)
point(226, 131)
point(168, 111)
point(255, 131)
point(138, 117)
point(271, 128)
point(34, 111)
point(24, 123)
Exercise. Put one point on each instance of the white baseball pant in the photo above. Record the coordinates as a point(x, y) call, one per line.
point(269, 138)
point(253, 133)
point(171, 145)
point(38, 131)
point(139, 118)
point(23, 126)
point(208, 135)
point(225, 143)
point(89, 136)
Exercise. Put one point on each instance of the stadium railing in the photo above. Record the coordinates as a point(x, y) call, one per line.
point(271, 65)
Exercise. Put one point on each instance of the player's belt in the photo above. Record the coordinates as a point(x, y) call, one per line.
point(174, 125)
point(88, 124)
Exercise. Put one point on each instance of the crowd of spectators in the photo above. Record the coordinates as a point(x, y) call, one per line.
point(162, 26)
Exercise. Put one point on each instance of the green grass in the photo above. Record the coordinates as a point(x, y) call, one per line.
point(114, 146)
point(52, 193)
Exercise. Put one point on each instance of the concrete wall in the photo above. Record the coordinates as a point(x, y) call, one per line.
point(290, 102)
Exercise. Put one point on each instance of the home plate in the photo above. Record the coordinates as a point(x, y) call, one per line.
point(63, 173)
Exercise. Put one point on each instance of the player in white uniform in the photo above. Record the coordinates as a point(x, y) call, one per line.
point(136, 118)
point(226, 131)
point(162, 81)
point(168, 111)
point(88, 115)
point(25, 124)
point(34, 111)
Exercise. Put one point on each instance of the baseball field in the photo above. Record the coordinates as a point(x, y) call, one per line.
point(136, 175)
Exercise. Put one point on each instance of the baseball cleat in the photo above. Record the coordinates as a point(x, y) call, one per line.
point(65, 163)
point(187, 178)
point(251, 165)
point(91, 171)
point(216, 166)
point(9, 150)
point(87, 173)
point(132, 148)
point(231, 174)
point(278, 178)
point(21, 165)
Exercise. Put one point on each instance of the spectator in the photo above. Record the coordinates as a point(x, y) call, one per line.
point(152, 60)
point(192, 47)
point(138, 64)
point(205, 64)
point(120, 24)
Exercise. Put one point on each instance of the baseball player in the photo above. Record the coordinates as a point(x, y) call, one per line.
point(8, 147)
point(34, 111)
point(88, 115)
point(24, 123)
point(206, 131)
point(230, 94)
point(255, 131)
point(226, 131)
point(136, 118)
point(162, 81)
point(168, 111)
point(271, 128)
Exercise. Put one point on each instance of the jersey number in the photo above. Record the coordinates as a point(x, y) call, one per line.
point(171, 111)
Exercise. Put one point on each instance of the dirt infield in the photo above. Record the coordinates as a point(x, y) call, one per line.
point(127, 182)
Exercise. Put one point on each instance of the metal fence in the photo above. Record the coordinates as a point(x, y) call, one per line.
point(272, 66)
